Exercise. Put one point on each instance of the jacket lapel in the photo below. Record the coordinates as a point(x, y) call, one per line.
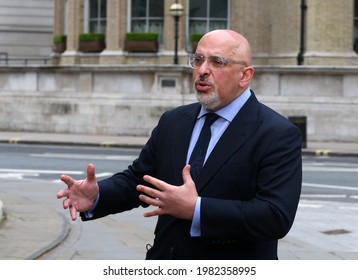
point(238, 132)
point(182, 135)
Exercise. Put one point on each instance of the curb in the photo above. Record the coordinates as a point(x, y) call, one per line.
point(104, 144)
point(1, 212)
point(57, 241)
point(328, 153)
point(108, 144)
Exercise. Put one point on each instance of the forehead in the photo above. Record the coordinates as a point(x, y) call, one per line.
point(217, 45)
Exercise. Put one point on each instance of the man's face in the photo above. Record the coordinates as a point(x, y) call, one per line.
point(216, 86)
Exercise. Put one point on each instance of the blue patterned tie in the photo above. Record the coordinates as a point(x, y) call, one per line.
point(198, 155)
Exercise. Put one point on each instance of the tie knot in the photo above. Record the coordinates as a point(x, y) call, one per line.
point(210, 118)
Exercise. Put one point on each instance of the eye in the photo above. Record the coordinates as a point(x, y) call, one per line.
point(198, 59)
point(217, 61)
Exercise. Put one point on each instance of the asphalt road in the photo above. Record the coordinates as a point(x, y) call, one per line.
point(324, 178)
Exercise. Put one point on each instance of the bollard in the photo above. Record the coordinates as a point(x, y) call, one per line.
point(301, 123)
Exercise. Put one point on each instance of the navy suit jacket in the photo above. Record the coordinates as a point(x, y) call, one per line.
point(250, 185)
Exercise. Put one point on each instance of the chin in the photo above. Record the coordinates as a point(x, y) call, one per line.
point(210, 102)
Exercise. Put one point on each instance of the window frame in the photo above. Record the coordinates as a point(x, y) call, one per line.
point(98, 19)
point(355, 20)
point(207, 20)
point(147, 19)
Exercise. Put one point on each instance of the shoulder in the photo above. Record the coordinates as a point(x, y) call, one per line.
point(185, 111)
point(272, 122)
point(275, 118)
point(267, 114)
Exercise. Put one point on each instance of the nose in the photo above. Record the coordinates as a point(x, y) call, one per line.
point(204, 68)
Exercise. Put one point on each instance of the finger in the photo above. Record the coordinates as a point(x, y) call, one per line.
point(155, 182)
point(149, 191)
point(186, 174)
point(67, 180)
point(91, 175)
point(63, 193)
point(73, 213)
point(155, 212)
point(150, 200)
point(66, 203)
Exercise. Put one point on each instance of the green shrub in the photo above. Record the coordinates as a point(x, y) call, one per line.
point(195, 37)
point(59, 39)
point(142, 36)
point(90, 37)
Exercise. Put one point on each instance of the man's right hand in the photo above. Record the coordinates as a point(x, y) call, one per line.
point(80, 194)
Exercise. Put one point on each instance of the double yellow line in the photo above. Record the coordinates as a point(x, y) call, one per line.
point(324, 153)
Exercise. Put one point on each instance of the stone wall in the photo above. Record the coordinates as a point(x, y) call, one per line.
point(328, 97)
point(128, 100)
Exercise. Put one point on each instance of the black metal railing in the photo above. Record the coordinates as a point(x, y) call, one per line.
point(22, 61)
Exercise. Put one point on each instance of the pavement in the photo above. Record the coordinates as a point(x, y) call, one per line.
point(323, 230)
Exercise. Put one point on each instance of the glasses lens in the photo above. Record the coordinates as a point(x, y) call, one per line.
point(217, 61)
point(191, 60)
point(195, 60)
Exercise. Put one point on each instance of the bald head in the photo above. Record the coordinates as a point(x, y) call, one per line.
point(229, 41)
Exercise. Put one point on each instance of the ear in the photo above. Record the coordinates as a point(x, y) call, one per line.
point(247, 75)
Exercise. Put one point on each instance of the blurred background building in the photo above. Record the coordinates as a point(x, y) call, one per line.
point(26, 31)
point(281, 31)
point(113, 66)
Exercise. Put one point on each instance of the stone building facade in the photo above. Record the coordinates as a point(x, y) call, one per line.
point(124, 93)
point(279, 30)
point(26, 31)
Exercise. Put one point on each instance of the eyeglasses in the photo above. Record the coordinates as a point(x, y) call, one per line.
point(214, 62)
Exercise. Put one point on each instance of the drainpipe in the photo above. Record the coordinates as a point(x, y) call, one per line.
point(302, 38)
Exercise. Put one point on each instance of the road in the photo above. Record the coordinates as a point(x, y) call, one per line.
point(330, 178)
point(326, 179)
point(49, 162)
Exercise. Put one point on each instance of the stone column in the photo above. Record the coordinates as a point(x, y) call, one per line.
point(114, 30)
point(284, 31)
point(329, 33)
point(74, 28)
point(251, 19)
point(74, 23)
point(59, 15)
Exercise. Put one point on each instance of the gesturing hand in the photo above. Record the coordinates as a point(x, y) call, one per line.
point(178, 201)
point(80, 194)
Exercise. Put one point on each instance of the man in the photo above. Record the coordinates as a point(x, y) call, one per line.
point(244, 197)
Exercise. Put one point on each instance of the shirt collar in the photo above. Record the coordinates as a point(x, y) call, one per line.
point(229, 111)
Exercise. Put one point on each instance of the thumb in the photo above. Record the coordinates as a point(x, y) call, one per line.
point(186, 174)
point(91, 176)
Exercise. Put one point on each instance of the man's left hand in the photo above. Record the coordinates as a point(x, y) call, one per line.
point(177, 201)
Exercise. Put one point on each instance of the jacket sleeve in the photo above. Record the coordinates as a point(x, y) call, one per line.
point(118, 193)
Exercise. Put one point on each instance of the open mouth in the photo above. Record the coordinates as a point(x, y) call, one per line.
point(202, 86)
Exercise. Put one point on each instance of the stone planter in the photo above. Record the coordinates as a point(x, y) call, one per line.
point(59, 43)
point(92, 46)
point(59, 47)
point(141, 46)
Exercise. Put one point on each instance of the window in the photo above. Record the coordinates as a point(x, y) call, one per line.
point(96, 15)
point(207, 15)
point(147, 16)
point(356, 19)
